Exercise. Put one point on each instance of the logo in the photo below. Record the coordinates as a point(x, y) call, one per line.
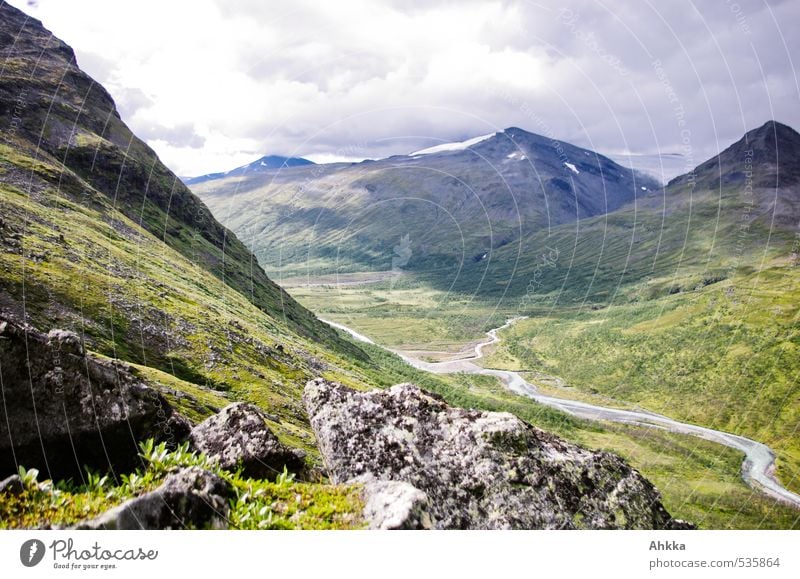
point(32, 552)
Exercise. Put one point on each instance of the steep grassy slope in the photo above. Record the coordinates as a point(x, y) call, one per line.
point(97, 236)
point(68, 126)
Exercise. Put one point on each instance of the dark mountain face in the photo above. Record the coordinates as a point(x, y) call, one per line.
point(478, 216)
point(262, 165)
point(760, 171)
point(575, 183)
point(768, 156)
point(60, 131)
point(453, 203)
point(736, 210)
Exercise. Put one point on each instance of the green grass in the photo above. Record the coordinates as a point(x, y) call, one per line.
point(723, 356)
point(699, 481)
point(405, 315)
point(256, 504)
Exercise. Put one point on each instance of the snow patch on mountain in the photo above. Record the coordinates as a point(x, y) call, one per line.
point(460, 146)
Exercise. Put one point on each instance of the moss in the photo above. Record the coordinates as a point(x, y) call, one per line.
point(265, 505)
point(193, 401)
point(37, 166)
point(42, 509)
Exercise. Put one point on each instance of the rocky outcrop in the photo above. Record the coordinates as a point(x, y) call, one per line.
point(64, 409)
point(393, 505)
point(238, 436)
point(191, 498)
point(478, 470)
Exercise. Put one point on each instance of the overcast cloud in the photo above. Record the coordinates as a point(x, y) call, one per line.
point(213, 84)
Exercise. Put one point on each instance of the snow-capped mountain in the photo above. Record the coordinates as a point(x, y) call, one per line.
point(264, 164)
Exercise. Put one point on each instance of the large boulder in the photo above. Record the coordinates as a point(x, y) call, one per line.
point(479, 470)
point(63, 409)
point(238, 436)
point(191, 498)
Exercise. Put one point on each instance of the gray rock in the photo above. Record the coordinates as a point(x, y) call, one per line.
point(13, 485)
point(64, 409)
point(479, 470)
point(238, 436)
point(191, 498)
point(177, 429)
point(390, 505)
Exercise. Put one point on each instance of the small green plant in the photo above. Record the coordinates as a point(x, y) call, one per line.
point(285, 478)
point(155, 455)
point(95, 482)
point(133, 482)
point(30, 477)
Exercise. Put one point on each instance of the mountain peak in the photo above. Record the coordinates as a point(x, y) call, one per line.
point(767, 156)
point(23, 36)
point(265, 163)
point(773, 135)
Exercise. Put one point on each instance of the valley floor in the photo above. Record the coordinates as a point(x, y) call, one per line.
point(700, 480)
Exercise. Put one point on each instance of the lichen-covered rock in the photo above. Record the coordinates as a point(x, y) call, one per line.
point(238, 436)
point(391, 505)
point(479, 470)
point(63, 409)
point(191, 498)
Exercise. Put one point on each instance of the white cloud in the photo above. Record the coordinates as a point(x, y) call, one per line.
point(212, 84)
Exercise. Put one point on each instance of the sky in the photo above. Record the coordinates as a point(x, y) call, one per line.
point(215, 84)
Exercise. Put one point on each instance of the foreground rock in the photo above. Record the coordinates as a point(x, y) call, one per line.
point(395, 505)
point(63, 409)
point(238, 436)
point(479, 470)
point(191, 498)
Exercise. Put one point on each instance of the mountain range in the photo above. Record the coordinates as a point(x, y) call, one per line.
point(477, 215)
point(457, 203)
